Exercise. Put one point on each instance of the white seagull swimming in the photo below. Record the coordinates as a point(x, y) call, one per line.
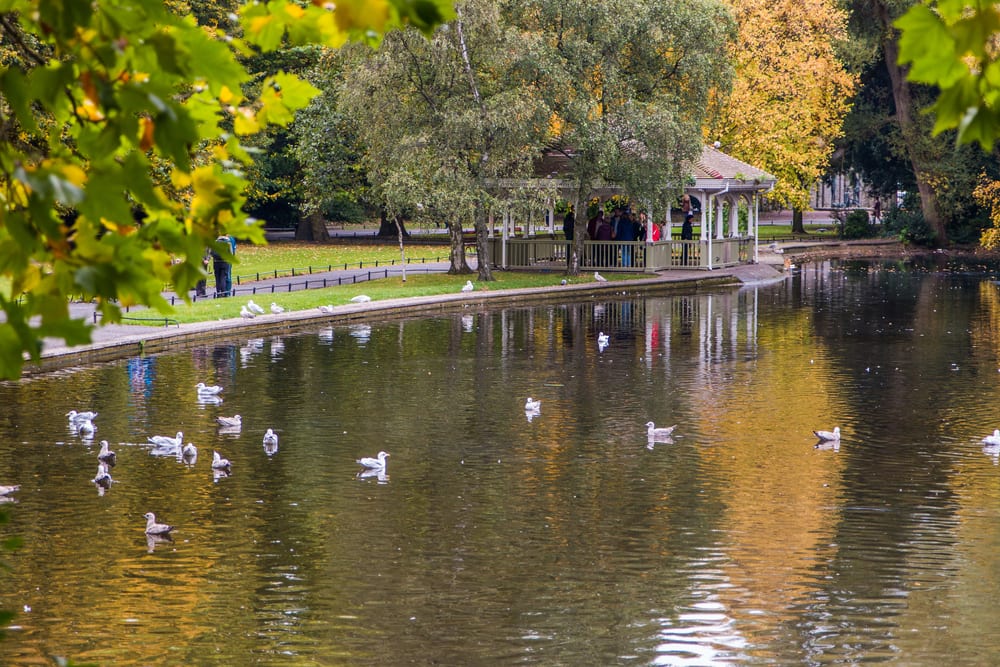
point(829, 436)
point(254, 308)
point(77, 417)
point(992, 440)
point(7, 490)
point(189, 451)
point(106, 455)
point(599, 278)
point(153, 528)
point(662, 432)
point(219, 463)
point(205, 390)
point(532, 405)
point(230, 422)
point(377, 463)
point(270, 438)
point(276, 309)
point(603, 339)
point(166, 440)
point(468, 286)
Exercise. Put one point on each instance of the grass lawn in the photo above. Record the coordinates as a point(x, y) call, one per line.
point(205, 310)
point(282, 256)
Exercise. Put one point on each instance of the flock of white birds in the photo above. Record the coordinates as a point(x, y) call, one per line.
point(82, 424)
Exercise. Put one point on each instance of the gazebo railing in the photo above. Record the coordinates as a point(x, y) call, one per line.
point(623, 255)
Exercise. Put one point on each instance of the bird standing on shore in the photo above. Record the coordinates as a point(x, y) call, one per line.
point(254, 308)
point(599, 278)
point(468, 286)
point(276, 309)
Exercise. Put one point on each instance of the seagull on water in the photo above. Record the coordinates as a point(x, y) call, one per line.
point(254, 308)
point(276, 309)
point(468, 286)
point(270, 438)
point(992, 440)
point(829, 436)
point(219, 463)
point(662, 432)
point(230, 422)
point(361, 298)
point(106, 455)
point(153, 528)
point(7, 490)
point(599, 278)
point(603, 339)
point(103, 477)
point(377, 463)
point(246, 313)
point(166, 440)
point(532, 405)
point(77, 417)
point(205, 390)
point(189, 451)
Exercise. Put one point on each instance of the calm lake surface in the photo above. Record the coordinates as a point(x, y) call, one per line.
point(563, 539)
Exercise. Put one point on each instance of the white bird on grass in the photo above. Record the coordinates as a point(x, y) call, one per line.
point(599, 278)
point(230, 422)
point(662, 432)
point(106, 455)
point(377, 463)
point(77, 417)
point(326, 309)
point(468, 286)
point(166, 440)
point(153, 528)
point(829, 436)
point(219, 463)
point(276, 309)
point(532, 405)
point(246, 313)
point(270, 438)
point(992, 440)
point(361, 298)
point(205, 390)
point(254, 308)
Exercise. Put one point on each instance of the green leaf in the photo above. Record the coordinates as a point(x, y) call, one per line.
point(17, 94)
point(926, 43)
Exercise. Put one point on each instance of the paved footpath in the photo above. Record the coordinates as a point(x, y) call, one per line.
point(116, 341)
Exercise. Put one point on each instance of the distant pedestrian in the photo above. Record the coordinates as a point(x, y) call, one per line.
point(222, 268)
point(687, 234)
point(877, 211)
point(569, 228)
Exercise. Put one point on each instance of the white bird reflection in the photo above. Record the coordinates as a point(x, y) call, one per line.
point(468, 322)
point(153, 541)
point(652, 441)
point(380, 474)
point(361, 332)
point(270, 448)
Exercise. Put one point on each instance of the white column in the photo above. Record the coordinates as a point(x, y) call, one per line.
point(756, 227)
point(705, 217)
point(734, 218)
point(718, 229)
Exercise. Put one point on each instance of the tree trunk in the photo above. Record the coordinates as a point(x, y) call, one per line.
point(482, 244)
point(312, 228)
point(390, 227)
point(797, 226)
point(457, 255)
point(911, 131)
point(579, 236)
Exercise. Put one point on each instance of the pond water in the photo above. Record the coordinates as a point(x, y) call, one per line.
point(564, 537)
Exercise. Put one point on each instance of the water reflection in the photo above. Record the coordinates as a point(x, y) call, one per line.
point(734, 540)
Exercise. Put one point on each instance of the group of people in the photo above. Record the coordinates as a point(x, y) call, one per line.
point(221, 267)
point(622, 225)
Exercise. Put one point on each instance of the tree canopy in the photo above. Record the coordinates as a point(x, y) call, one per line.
point(124, 125)
point(790, 94)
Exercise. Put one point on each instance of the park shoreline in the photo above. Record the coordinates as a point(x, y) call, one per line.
point(122, 343)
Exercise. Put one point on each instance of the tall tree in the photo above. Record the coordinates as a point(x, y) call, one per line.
point(443, 119)
point(96, 101)
point(790, 95)
point(628, 82)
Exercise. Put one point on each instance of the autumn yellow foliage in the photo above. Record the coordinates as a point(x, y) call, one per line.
point(987, 195)
point(790, 95)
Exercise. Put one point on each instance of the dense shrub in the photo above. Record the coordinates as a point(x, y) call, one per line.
point(857, 226)
point(910, 226)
